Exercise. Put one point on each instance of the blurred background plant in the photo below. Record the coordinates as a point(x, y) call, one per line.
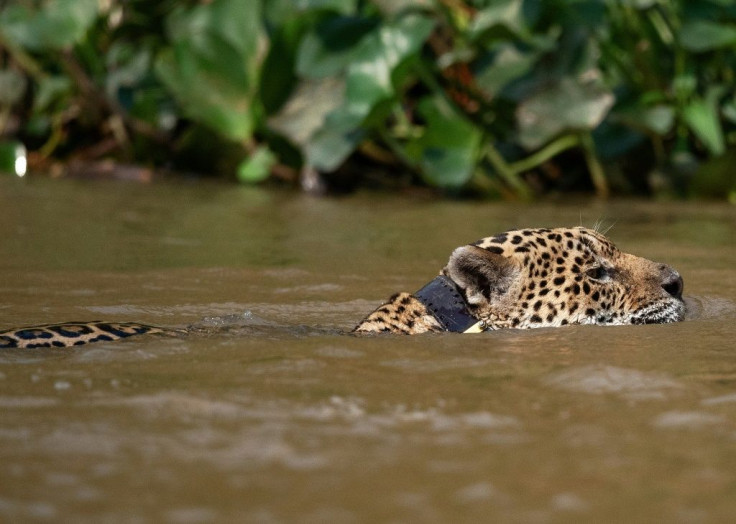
point(498, 98)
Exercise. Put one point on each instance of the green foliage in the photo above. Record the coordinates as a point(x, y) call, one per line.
point(211, 66)
point(256, 167)
point(447, 151)
point(372, 78)
point(507, 97)
point(59, 25)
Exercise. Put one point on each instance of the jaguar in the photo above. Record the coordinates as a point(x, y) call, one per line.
point(527, 278)
point(533, 278)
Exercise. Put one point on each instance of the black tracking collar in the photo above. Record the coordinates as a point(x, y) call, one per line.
point(448, 306)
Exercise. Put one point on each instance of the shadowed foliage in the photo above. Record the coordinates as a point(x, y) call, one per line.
point(510, 98)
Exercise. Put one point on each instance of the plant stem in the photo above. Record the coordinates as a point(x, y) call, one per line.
point(431, 82)
point(597, 175)
point(54, 139)
point(494, 157)
point(23, 59)
point(507, 172)
point(552, 149)
point(4, 116)
point(396, 148)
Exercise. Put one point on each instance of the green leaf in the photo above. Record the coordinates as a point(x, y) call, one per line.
point(448, 149)
point(331, 47)
point(508, 64)
point(257, 167)
point(339, 6)
point(59, 24)
point(701, 117)
point(279, 12)
point(505, 14)
point(729, 110)
point(393, 7)
point(211, 67)
point(369, 78)
point(369, 84)
point(51, 92)
point(305, 111)
point(641, 4)
point(278, 75)
point(658, 119)
point(573, 104)
point(12, 87)
point(684, 85)
point(204, 97)
point(701, 35)
point(127, 66)
point(335, 141)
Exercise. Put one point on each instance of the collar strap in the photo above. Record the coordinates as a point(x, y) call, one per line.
point(442, 298)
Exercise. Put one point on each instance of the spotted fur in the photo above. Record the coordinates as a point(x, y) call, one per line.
point(71, 334)
point(519, 279)
point(534, 278)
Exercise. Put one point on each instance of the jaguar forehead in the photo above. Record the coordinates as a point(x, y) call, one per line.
point(554, 241)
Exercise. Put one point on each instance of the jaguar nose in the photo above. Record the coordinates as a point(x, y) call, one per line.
point(672, 282)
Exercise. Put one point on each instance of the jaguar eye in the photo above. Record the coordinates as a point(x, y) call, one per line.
point(598, 273)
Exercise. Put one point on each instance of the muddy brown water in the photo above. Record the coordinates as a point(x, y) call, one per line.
point(269, 413)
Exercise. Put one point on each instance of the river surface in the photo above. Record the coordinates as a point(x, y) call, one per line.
point(267, 412)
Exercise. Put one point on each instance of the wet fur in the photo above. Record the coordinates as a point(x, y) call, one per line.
point(547, 278)
point(519, 279)
point(72, 334)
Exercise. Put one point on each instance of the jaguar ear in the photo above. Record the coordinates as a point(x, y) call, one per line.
point(483, 275)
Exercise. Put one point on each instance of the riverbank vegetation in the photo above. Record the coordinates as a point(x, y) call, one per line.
point(498, 98)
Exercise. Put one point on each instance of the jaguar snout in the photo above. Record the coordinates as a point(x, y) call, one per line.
point(671, 282)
